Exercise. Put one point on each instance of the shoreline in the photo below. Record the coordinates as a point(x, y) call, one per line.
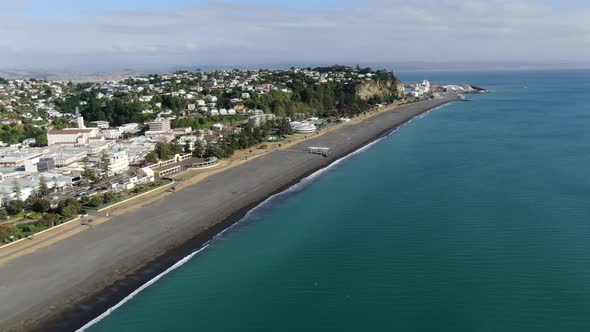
point(92, 302)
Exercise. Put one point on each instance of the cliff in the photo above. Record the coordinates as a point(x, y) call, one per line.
point(369, 89)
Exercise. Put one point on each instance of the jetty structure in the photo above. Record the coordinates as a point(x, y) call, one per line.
point(322, 151)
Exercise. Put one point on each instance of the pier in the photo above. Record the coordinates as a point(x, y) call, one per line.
point(322, 151)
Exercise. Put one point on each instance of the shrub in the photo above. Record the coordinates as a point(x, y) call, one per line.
point(37, 204)
point(15, 207)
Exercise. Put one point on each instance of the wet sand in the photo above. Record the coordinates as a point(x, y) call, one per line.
point(70, 282)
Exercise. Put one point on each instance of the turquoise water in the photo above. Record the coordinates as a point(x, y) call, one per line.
point(472, 218)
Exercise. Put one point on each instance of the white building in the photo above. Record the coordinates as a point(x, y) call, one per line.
point(18, 159)
point(80, 122)
point(217, 128)
point(100, 124)
point(129, 128)
point(257, 120)
point(118, 162)
point(111, 133)
point(71, 136)
point(160, 124)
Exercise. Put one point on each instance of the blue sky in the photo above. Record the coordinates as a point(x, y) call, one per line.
point(157, 33)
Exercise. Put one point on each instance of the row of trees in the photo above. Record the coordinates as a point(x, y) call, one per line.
point(165, 151)
point(49, 217)
point(246, 138)
point(99, 199)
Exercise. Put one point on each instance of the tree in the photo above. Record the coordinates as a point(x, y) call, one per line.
point(175, 148)
point(15, 207)
point(95, 201)
point(49, 219)
point(105, 163)
point(198, 150)
point(6, 231)
point(87, 173)
point(3, 214)
point(152, 157)
point(187, 148)
point(108, 197)
point(69, 208)
point(164, 151)
point(16, 189)
point(37, 204)
point(54, 179)
point(43, 188)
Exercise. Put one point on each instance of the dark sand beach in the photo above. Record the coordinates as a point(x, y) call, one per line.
point(67, 284)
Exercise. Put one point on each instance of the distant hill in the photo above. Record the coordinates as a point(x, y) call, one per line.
point(69, 75)
point(89, 75)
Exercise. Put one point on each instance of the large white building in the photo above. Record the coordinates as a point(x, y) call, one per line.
point(71, 136)
point(129, 128)
point(118, 162)
point(160, 124)
point(110, 133)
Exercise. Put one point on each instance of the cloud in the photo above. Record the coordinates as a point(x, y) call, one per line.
point(238, 33)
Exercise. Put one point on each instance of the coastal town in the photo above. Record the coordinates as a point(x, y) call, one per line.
point(112, 183)
point(67, 148)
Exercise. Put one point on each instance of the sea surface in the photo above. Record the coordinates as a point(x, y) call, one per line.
point(473, 217)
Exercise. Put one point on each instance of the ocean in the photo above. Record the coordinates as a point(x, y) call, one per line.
point(472, 217)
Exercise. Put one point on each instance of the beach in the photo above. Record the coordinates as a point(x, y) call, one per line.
point(72, 281)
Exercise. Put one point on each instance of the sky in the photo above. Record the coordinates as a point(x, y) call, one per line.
point(142, 34)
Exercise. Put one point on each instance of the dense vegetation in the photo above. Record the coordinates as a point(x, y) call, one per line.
point(325, 99)
point(305, 96)
point(37, 213)
point(244, 139)
point(16, 133)
point(164, 151)
point(108, 198)
point(119, 110)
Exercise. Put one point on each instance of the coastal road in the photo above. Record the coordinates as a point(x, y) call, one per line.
point(44, 284)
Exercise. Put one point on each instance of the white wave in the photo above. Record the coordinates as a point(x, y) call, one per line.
point(294, 188)
point(144, 286)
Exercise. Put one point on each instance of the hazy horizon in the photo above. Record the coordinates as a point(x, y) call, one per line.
point(161, 35)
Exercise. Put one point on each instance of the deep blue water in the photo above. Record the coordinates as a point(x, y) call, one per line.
point(474, 217)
